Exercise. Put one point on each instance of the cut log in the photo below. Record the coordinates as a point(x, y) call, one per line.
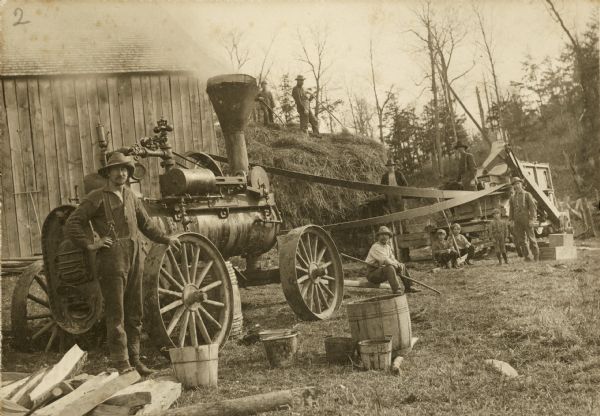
point(138, 398)
point(21, 396)
point(62, 389)
point(70, 363)
point(164, 391)
point(366, 284)
point(79, 402)
point(10, 408)
point(9, 377)
point(110, 410)
point(250, 405)
point(10, 389)
point(78, 380)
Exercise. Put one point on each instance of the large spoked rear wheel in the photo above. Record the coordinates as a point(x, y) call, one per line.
point(311, 272)
point(188, 294)
point(32, 322)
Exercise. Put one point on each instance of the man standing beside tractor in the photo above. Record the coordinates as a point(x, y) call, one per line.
point(467, 174)
point(303, 106)
point(523, 214)
point(118, 216)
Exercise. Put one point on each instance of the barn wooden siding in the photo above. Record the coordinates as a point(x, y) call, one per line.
point(48, 130)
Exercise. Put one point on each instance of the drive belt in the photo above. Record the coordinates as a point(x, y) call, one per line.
point(403, 191)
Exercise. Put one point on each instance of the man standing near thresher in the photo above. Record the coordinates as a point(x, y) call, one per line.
point(523, 213)
point(384, 266)
point(265, 96)
point(467, 174)
point(118, 216)
point(303, 107)
point(393, 177)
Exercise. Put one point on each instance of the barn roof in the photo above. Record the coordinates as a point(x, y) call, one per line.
point(83, 37)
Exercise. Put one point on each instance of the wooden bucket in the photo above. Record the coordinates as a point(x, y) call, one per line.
point(379, 317)
point(280, 346)
point(376, 354)
point(340, 350)
point(196, 366)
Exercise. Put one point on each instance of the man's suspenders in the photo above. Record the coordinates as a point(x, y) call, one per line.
point(110, 220)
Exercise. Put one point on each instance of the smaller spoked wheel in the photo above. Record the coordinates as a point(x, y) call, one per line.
point(32, 322)
point(188, 295)
point(311, 272)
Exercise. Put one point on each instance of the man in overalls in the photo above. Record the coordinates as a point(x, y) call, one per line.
point(118, 216)
point(467, 175)
point(523, 214)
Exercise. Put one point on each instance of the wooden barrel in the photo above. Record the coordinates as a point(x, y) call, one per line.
point(196, 366)
point(380, 317)
point(376, 354)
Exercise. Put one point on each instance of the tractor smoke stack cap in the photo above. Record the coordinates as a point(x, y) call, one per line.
point(384, 230)
point(118, 159)
point(516, 179)
point(461, 144)
point(300, 78)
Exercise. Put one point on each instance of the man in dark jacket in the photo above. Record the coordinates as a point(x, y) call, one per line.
point(118, 216)
point(467, 174)
point(302, 105)
point(393, 177)
point(265, 96)
point(523, 214)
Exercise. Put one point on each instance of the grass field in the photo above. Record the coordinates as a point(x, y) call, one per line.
point(543, 319)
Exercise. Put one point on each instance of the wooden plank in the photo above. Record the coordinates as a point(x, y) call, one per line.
point(75, 161)
point(110, 410)
point(52, 170)
point(195, 113)
point(177, 119)
point(208, 140)
point(83, 399)
point(70, 363)
point(150, 89)
point(39, 158)
point(60, 136)
point(21, 396)
point(87, 388)
point(8, 407)
point(10, 389)
point(164, 391)
point(126, 110)
point(16, 151)
point(85, 132)
point(139, 127)
point(184, 95)
point(8, 377)
point(115, 114)
point(137, 398)
point(94, 118)
point(10, 245)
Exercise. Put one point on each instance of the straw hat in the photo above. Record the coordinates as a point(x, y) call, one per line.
point(118, 159)
point(384, 230)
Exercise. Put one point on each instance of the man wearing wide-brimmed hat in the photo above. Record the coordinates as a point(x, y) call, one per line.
point(393, 177)
point(443, 251)
point(523, 215)
point(118, 216)
point(265, 96)
point(303, 106)
point(467, 173)
point(385, 267)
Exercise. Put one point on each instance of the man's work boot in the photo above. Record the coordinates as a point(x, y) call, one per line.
point(505, 258)
point(141, 368)
point(122, 366)
point(499, 259)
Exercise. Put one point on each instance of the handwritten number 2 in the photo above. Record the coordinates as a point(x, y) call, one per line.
point(18, 13)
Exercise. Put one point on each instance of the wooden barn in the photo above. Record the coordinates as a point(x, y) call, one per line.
point(68, 66)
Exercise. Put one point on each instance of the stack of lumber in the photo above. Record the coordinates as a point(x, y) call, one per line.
point(15, 266)
point(62, 390)
point(560, 247)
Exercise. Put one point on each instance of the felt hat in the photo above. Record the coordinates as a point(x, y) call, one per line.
point(391, 162)
point(118, 159)
point(461, 144)
point(455, 225)
point(384, 230)
point(516, 179)
point(300, 78)
point(441, 231)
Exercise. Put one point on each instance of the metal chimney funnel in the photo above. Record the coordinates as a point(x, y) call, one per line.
point(232, 97)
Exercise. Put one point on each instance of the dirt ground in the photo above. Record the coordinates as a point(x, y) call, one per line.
point(540, 318)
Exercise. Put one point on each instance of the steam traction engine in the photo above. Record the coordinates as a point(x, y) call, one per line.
point(190, 295)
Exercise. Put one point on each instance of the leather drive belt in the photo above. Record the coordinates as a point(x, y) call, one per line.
point(404, 191)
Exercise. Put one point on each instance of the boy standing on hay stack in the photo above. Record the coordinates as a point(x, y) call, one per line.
point(384, 265)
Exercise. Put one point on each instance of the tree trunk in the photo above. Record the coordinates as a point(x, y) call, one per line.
point(484, 132)
point(436, 153)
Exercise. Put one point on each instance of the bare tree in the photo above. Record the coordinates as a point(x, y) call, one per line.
point(389, 94)
point(267, 61)
point(237, 50)
point(314, 54)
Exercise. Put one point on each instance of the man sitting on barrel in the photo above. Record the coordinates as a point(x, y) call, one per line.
point(384, 265)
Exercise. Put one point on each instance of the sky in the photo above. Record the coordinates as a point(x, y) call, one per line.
point(517, 29)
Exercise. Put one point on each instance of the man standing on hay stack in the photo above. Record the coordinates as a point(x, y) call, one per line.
point(385, 267)
point(118, 216)
point(303, 106)
point(523, 213)
point(467, 175)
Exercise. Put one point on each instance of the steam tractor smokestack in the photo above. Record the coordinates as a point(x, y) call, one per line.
point(232, 97)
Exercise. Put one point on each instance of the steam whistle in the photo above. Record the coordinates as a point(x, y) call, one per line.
point(102, 143)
